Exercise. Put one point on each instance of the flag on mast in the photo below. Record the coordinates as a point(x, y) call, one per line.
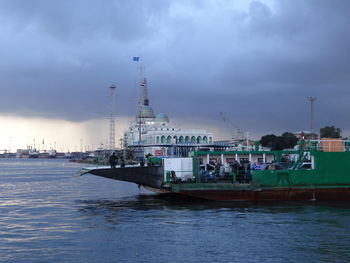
point(136, 58)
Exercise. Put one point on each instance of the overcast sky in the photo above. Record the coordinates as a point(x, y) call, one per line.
point(256, 61)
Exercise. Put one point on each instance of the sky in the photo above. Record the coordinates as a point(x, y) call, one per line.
point(256, 61)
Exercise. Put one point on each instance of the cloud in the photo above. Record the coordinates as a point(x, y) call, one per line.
point(256, 61)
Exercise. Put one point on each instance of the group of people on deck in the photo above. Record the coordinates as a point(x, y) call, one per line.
point(113, 160)
point(239, 172)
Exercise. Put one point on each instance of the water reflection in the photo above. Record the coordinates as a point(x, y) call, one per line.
point(315, 230)
point(174, 202)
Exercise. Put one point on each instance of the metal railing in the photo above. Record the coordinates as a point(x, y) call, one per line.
point(326, 145)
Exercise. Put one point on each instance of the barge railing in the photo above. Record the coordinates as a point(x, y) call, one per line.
point(326, 145)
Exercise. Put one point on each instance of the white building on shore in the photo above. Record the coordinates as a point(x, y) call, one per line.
point(155, 132)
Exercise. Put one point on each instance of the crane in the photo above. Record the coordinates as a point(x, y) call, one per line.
point(232, 126)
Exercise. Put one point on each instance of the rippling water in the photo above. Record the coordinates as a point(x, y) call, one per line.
point(49, 215)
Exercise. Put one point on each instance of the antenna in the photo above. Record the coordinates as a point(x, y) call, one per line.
point(112, 89)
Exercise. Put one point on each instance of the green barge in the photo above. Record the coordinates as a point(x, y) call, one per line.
point(317, 170)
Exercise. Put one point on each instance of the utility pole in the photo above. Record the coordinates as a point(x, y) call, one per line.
point(311, 99)
point(112, 118)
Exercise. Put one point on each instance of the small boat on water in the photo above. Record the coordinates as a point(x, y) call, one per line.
point(316, 170)
point(33, 154)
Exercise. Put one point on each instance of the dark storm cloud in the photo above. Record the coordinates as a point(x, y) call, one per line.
point(58, 58)
point(78, 20)
point(299, 50)
point(255, 61)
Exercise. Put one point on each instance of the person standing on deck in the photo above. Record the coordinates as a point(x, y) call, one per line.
point(248, 173)
point(241, 173)
point(235, 167)
point(112, 160)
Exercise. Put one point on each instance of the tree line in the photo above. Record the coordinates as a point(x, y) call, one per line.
point(288, 140)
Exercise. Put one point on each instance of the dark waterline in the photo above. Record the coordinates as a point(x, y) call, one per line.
point(49, 215)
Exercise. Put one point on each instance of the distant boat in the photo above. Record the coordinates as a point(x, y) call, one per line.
point(68, 155)
point(33, 154)
point(52, 154)
point(47, 154)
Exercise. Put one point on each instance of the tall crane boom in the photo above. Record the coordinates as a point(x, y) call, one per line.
point(233, 127)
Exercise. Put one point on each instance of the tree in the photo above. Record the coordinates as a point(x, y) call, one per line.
point(268, 140)
point(286, 140)
point(330, 132)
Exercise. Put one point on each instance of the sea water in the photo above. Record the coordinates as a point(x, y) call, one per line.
point(49, 215)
